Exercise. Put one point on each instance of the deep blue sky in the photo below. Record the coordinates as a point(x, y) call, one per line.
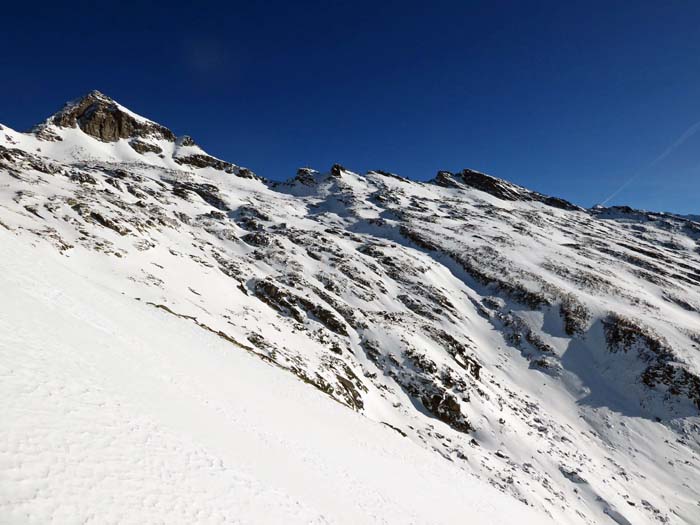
point(568, 98)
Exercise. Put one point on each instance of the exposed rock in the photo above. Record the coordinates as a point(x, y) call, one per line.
point(208, 192)
point(446, 408)
point(305, 176)
point(390, 175)
point(337, 170)
point(205, 161)
point(257, 239)
point(101, 117)
point(199, 160)
point(663, 368)
point(186, 140)
point(47, 134)
point(16, 159)
point(295, 306)
point(576, 316)
point(498, 188)
point(144, 147)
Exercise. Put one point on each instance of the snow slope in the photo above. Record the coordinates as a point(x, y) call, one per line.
point(478, 329)
point(115, 412)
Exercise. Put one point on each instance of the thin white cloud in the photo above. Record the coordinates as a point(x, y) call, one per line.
point(692, 130)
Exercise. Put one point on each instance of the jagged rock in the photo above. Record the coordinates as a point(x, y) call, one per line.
point(83, 178)
point(390, 175)
point(337, 170)
point(498, 188)
point(101, 117)
point(144, 147)
point(663, 368)
point(208, 192)
point(446, 408)
point(206, 161)
point(199, 160)
point(186, 140)
point(576, 316)
point(47, 135)
point(294, 305)
point(16, 159)
point(305, 176)
point(257, 239)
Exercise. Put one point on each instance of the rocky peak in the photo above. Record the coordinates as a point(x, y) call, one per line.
point(186, 140)
point(337, 170)
point(306, 176)
point(101, 117)
point(444, 178)
point(499, 188)
point(496, 187)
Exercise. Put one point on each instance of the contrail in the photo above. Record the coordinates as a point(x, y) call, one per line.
point(679, 141)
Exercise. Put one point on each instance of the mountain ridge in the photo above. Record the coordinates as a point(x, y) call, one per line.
point(547, 349)
point(95, 103)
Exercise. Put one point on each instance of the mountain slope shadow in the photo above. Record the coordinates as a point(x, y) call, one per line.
point(614, 380)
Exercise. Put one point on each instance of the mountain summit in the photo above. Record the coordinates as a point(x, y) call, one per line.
point(97, 128)
point(101, 117)
point(188, 341)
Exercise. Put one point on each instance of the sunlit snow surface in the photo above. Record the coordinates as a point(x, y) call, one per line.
point(114, 412)
point(182, 345)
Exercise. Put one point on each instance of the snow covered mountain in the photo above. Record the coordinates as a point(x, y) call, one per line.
point(184, 341)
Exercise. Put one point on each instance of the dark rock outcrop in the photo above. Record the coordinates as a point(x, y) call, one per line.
point(186, 140)
point(306, 176)
point(208, 192)
point(498, 188)
point(445, 407)
point(337, 170)
point(144, 147)
point(199, 160)
point(101, 117)
point(663, 368)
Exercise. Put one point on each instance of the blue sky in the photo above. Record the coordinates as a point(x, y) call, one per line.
point(568, 98)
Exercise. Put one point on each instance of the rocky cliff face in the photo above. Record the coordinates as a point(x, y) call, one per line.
point(101, 117)
point(97, 116)
point(551, 350)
